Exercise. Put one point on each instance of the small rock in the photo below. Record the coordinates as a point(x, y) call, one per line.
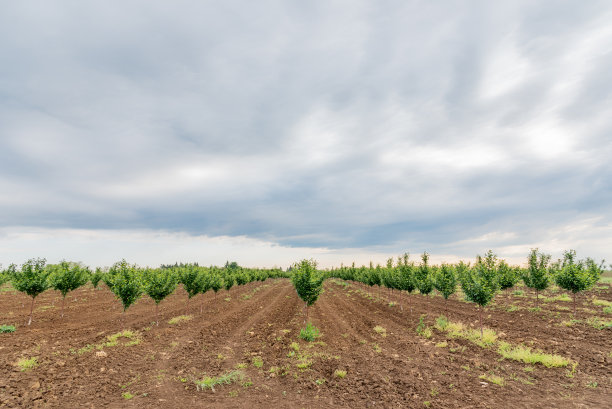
point(35, 385)
point(101, 354)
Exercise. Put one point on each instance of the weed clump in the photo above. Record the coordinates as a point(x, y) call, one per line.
point(310, 333)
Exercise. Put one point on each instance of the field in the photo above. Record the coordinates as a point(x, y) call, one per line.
point(244, 350)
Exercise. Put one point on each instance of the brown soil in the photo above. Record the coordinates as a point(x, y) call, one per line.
point(401, 369)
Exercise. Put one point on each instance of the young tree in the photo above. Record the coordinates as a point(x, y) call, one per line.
point(5, 275)
point(96, 277)
point(66, 277)
point(577, 276)
point(216, 281)
point(31, 279)
point(308, 282)
point(537, 275)
point(228, 280)
point(192, 280)
point(125, 281)
point(507, 276)
point(158, 284)
point(445, 282)
point(479, 284)
point(406, 276)
point(423, 276)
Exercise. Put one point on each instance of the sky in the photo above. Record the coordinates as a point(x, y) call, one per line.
point(271, 131)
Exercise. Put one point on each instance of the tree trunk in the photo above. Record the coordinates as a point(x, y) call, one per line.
point(481, 331)
point(63, 301)
point(157, 314)
point(574, 305)
point(537, 298)
point(202, 305)
point(31, 311)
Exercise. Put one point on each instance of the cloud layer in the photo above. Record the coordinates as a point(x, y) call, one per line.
point(340, 125)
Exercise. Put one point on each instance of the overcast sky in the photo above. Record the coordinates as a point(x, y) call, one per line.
point(265, 132)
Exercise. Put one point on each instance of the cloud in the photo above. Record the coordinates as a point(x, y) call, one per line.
point(342, 125)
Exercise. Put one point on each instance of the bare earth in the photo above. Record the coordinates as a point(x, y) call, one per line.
point(261, 320)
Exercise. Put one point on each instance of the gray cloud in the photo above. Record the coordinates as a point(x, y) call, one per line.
point(330, 124)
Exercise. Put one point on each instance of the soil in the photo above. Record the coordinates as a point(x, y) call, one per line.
point(257, 323)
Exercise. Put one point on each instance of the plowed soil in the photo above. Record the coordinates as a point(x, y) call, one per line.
point(252, 329)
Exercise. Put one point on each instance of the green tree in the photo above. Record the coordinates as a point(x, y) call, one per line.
point(479, 284)
point(537, 275)
point(507, 276)
point(31, 279)
point(158, 284)
point(125, 281)
point(216, 281)
point(423, 276)
point(406, 277)
point(193, 280)
point(5, 275)
point(66, 277)
point(577, 276)
point(308, 282)
point(445, 281)
point(228, 281)
point(96, 277)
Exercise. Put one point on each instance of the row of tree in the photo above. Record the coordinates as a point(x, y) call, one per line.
point(480, 281)
point(128, 281)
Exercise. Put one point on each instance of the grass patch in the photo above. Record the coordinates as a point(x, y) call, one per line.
point(442, 344)
point(257, 361)
point(560, 297)
point(377, 348)
point(497, 380)
point(380, 330)
point(602, 303)
point(113, 340)
point(304, 364)
point(127, 395)
point(599, 323)
point(25, 364)
point(179, 319)
point(295, 346)
point(422, 329)
point(340, 373)
point(525, 354)
point(459, 330)
point(4, 329)
point(225, 379)
point(310, 333)
point(441, 323)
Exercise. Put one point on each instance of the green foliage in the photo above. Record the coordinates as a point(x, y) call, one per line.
point(445, 280)
point(308, 282)
point(32, 278)
point(96, 277)
point(125, 281)
point(158, 283)
point(310, 333)
point(68, 276)
point(577, 276)
point(423, 276)
point(215, 280)
point(7, 328)
point(406, 279)
point(537, 275)
point(193, 280)
point(479, 283)
point(507, 276)
point(228, 281)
